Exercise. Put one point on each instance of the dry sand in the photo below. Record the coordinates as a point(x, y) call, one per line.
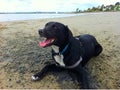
point(21, 56)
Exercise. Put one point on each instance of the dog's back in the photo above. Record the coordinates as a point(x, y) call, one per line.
point(90, 46)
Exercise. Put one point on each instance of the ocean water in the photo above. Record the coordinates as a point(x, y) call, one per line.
point(13, 17)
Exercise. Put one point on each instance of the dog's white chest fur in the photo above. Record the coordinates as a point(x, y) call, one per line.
point(58, 58)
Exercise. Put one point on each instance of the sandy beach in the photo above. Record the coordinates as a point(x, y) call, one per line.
point(21, 56)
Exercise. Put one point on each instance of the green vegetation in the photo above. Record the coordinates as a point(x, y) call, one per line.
point(102, 8)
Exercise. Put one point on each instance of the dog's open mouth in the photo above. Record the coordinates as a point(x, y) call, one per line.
point(47, 42)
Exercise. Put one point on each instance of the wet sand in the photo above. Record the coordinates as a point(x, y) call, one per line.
point(21, 56)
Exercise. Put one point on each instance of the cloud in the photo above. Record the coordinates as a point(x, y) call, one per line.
point(44, 5)
point(13, 5)
point(52, 5)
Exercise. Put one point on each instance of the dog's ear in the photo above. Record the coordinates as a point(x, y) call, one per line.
point(69, 33)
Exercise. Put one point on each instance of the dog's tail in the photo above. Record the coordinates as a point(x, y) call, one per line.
point(98, 49)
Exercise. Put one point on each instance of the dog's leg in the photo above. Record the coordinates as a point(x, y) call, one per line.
point(43, 72)
point(84, 79)
point(81, 76)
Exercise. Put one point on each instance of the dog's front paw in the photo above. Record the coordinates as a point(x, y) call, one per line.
point(35, 78)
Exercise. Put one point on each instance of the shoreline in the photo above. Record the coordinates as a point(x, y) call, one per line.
point(21, 56)
point(22, 17)
point(48, 17)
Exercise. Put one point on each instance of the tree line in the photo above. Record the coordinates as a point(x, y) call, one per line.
point(102, 8)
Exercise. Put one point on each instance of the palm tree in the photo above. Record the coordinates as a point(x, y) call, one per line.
point(117, 6)
point(117, 3)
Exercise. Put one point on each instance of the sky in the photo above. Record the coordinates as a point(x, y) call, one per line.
point(50, 5)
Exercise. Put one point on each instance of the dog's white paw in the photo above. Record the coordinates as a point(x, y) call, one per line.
point(34, 78)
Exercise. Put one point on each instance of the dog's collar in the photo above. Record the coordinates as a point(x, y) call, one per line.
point(63, 51)
point(66, 47)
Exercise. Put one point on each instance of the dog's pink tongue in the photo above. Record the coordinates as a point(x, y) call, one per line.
point(45, 43)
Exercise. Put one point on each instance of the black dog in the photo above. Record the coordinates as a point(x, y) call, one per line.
point(70, 53)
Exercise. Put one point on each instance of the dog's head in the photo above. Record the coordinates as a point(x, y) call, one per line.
point(55, 34)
